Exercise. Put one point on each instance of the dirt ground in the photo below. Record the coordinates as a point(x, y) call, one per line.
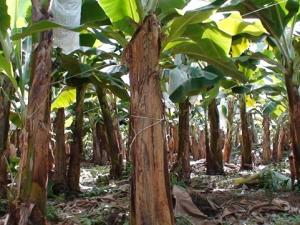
point(207, 200)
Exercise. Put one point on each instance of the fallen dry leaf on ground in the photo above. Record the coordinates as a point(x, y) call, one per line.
point(185, 207)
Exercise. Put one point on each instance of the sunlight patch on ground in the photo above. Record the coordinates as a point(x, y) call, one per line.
point(89, 176)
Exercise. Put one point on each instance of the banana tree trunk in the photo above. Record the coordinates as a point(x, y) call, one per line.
point(60, 173)
point(275, 143)
point(5, 94)
point(104, 144)
point(101, 145)
point(195, 148)
point(173, 143)
point(206, 136)
point(292, 170)
point(195, 143)
point(170, 139)
point(31, 201)
point(114, 147)
point(96, 146)
point(237, 139)
point(129, 141)
point(150, 197)
point(183, 159)
point(76, 147)
point(202, 143)
point(253, 133)
point(294, 113)
point(246, 162)
point(214, 158)
point(281, 144)
point(266, 139)
point(116, 125)
point(228, 140)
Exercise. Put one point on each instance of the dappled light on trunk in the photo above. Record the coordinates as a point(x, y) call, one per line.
point(30, 207)
point(214, 157)
point(246, 161)
point(151, 199)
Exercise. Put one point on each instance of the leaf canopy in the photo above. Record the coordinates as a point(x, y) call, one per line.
point(122, 14)
point(4, 17)
point(66, 98)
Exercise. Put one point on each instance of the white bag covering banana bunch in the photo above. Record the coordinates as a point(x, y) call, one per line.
point(67, 13)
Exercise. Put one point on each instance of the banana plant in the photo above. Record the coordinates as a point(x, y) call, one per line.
point(10, 53)
point(146, 142)
point(193, 33)
point(85, 68)
point(15, 68)
point(10, 73)
point(215, 40)
point(135, 24)
point(279, 19)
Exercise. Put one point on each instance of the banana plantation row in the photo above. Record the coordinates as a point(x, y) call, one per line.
point(240, 58)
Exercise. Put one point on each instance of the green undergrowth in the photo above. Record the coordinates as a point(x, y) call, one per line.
point(3, 207)
point(175, 180)
point(274, 219)
point(183, 220)
point(286, 219)
point(52, 213)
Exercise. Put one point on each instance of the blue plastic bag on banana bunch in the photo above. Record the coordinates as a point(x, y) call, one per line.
point(66, 13)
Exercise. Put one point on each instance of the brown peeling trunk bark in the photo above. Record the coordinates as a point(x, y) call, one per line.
point(173, 142)
point(150, 191)
point(60, 170)
point(114, 147)
point(237, 139)
point(5, 94)
point(294, 114)
point(104, 144)
point(228, 139)
point(183, 157)
point(198, 144)
point(129, 141)
point(96, 145)
point(116, 126)
point(246, 162)
point(206, 137)
point(293, 170)
point(170, 139)
point(253, 134)
point(266, 140)
point(195, 143)
point(195, 148)
point(101, 145)
point(214, 158)
point(202, 144)
point(275, 143)
point(30, 207)
point(76, 147)
point(281, 144)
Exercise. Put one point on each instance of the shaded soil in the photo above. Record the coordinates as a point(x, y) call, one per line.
point(217, 198)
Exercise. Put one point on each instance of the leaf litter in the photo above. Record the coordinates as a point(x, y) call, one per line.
point(245, 198)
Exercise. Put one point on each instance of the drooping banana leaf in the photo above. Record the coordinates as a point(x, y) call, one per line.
point(123, 14)
point(191, 82)
point(66, 97)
